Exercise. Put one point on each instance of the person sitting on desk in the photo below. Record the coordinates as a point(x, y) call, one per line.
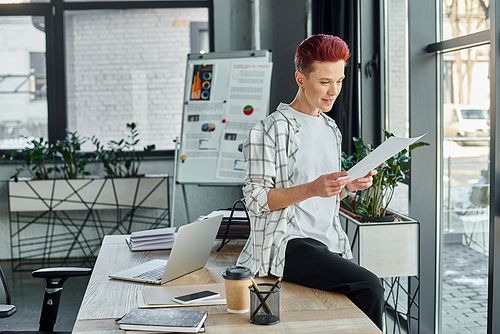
point(293, 186)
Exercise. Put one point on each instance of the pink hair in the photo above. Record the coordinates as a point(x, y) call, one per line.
point(320, 48)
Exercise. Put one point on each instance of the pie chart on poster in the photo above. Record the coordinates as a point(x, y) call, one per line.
point(248, 110)
point(208, 127)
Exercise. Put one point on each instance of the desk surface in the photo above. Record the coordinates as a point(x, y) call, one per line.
point(302, 309)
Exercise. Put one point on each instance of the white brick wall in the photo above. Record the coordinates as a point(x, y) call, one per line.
point(127, 66)
point(397, 84)
point(397, 79)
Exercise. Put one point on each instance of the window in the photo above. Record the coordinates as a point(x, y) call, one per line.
point(126, 66)
point(199, 37)
point(463, 17)
point(37, 77)
point(465, 184)
point(465, 157)
point(23, 102)
point(109, 63)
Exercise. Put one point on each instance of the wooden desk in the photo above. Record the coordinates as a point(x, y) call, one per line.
point(302, 309)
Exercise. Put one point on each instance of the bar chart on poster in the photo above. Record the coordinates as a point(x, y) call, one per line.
point(225, 95)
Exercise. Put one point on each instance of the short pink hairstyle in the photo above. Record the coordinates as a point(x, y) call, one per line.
point(320, 48)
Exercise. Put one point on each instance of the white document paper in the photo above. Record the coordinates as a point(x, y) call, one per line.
point(384, 151)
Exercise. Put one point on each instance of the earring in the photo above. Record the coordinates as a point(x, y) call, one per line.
point(301, 91)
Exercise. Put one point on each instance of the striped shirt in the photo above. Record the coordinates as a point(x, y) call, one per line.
point(270, 151)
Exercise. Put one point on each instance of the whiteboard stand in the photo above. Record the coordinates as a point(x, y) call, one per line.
point(185, 202)
point(172, 201)
point(172, 204)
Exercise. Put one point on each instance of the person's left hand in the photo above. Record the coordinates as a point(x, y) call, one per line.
point(362, 183)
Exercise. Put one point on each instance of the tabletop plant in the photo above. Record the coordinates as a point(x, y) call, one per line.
point(120, 158)
point(374, 201)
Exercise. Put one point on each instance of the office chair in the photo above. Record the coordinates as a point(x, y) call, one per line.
point(55, 278)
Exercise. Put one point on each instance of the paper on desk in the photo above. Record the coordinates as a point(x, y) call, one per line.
point(384, 151)
point(238, 214)
point(161, 296)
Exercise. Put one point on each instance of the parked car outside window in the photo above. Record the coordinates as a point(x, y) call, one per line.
point(466, 121)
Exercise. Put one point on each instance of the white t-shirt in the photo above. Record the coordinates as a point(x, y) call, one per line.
point(317, 155)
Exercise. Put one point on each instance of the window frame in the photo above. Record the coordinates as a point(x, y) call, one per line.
point(423, 63)
point(54, 12)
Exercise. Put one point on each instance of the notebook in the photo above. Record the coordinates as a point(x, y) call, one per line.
point(190, 252)
point(163, 320)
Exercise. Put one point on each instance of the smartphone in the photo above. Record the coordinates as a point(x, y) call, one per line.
point(195, 297)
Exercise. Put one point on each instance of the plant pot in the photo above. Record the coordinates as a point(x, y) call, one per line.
point(60, 219)
point(388, 249)
point(389, 217)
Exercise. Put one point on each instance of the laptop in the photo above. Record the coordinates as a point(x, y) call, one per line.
point(190, 252)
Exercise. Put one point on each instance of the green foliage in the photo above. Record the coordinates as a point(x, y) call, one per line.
point(120, 158)
point(70, 160)
point(375, 200)
point(34, 160)
point(43, 161)
point(65, 159)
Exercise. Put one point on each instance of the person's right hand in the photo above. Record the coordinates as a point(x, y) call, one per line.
point(328, 185)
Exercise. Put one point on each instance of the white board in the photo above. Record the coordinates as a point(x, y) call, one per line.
point(225, 95)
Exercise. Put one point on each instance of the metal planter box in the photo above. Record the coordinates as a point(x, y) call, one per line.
point(54, 221)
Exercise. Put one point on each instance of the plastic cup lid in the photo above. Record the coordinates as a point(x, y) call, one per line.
point(237, 273)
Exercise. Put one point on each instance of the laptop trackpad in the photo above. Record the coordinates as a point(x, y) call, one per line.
point(150, 265)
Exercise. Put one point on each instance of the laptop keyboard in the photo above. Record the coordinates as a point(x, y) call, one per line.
point(154, 274)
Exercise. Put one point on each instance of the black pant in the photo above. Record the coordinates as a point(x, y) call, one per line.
point(310, 263)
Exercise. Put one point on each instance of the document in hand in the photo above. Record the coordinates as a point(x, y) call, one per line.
point(384, 151)
point(163, 320)
point(160, 238)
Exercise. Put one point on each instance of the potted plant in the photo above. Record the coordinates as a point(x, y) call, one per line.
point(70, 161)
point(120, 159)
point(387, 248)
point(42, 161)
point(371, 204)
point(35, 159)
point(60, 212)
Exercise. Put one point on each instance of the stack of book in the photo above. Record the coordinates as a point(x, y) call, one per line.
point(157, 239)
point(155, 321)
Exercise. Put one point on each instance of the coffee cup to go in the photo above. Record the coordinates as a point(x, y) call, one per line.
point(236, 282)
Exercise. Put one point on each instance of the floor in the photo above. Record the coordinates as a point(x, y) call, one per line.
point(27, 295)
point(464, 295)
point(465, 290)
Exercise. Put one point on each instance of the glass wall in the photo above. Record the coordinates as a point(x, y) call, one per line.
point(23, 87)
point(463, 17)
point(465, 119)
point(465, 184)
